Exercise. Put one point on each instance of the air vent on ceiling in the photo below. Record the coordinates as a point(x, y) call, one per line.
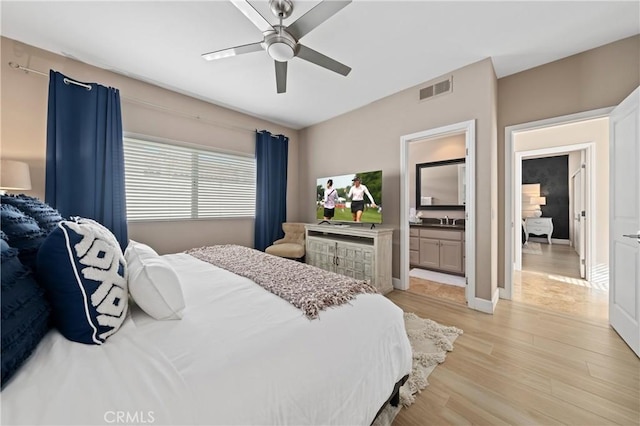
point(439, 88)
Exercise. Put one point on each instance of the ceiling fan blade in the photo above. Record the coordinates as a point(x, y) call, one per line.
point(233, 51)
point(252, 14)
point(324, 61)
point(315, 17)
point(281, 76)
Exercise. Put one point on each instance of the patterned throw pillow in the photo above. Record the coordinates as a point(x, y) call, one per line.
point(46, 216)
point(23, 233)
point(83, 270)
point(25, 312)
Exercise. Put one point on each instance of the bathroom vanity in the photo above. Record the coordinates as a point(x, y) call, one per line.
point(438, 247)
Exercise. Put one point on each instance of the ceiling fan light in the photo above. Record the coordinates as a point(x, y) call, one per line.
point(280, 51)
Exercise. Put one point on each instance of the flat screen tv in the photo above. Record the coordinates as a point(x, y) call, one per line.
point(352, 201)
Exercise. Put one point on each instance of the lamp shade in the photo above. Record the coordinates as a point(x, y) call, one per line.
point(540, 201)
point(14, 175)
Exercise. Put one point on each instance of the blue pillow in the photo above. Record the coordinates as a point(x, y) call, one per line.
point(46, 216)
point(25, 313)
point(22, 233)
point(83, 271)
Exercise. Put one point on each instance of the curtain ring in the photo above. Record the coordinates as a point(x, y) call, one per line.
point(69, 81)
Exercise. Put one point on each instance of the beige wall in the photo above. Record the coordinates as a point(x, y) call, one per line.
point(495, 184)
point(597, 78)
point(592, 131)
point(23, 136)
point(366, 138)
point(369, 138)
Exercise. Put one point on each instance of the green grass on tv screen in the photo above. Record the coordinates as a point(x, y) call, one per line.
point(343, 214)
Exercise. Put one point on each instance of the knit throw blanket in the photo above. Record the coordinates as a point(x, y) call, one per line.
point(306, 287)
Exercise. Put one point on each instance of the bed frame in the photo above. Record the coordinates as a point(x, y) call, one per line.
point(394, 399)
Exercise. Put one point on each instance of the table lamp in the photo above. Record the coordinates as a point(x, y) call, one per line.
point(14, 175)
point(538, 201)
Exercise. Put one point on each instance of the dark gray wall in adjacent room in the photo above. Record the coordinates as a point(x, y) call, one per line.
point(552, 173)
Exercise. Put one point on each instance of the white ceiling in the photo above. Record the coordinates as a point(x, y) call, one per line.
point(391, 45)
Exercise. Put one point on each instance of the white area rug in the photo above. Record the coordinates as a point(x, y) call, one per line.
point(430, 343)
point(532, 248)
point(438, 277)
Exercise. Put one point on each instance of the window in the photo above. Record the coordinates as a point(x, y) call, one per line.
point(166, 181)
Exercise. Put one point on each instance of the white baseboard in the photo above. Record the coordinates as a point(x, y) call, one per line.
point(561, 241)
point(503, 293)
point(396, 283)
point(553, 241)
point(487, 306)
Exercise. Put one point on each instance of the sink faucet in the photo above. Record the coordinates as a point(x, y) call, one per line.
point(446, 220)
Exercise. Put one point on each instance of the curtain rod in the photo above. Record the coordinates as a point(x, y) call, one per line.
point(66, 80)
point(141, 102)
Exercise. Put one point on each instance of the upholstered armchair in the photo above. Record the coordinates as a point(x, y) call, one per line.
point(292, 245)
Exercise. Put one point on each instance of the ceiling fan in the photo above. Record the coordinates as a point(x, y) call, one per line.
point(282, 42)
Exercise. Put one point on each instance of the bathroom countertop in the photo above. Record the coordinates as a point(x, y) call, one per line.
point(436, 225)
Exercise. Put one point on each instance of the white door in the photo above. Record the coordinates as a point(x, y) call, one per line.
point(578, 219)
point(624, 230)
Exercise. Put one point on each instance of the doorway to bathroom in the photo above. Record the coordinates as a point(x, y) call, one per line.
point(437, 238)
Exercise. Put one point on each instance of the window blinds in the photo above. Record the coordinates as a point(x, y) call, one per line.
point(166, 181)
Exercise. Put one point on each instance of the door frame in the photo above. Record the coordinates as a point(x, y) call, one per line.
point(509, 182)
point(468, 128)
point(579, 244)
point(589, 148)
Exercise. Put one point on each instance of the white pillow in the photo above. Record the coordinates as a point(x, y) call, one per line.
point(140, 249)
point(153, 284)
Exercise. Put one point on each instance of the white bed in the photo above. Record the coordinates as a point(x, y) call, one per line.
point(240, 355)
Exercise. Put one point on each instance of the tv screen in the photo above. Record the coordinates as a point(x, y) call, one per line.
point(353, 197)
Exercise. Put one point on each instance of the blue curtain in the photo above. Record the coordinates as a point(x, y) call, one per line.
point(85, 158)
point(271, 189)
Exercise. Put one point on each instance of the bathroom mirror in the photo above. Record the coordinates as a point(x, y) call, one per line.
point(441, 185)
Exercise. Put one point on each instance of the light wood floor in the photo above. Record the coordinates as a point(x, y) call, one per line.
point(552, 281)
point(448, 292)
point(560, 294)
point(525, 365)
point(549, 281)
point(556, 259)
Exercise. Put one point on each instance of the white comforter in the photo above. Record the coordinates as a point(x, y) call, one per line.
point(240, 355)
